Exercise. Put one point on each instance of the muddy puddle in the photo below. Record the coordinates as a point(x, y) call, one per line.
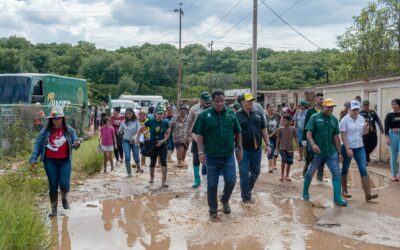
point(180, 221)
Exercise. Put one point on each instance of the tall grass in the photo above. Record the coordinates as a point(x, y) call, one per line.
point(86, 159)
point(21, 224)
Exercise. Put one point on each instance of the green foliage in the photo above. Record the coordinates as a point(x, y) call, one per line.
point(86, 159)
point(21, 224)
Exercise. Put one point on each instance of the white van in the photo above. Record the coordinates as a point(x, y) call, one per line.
point(124, 104)
point(144, 101)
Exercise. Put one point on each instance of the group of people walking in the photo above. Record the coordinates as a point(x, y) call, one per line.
point(220, 136)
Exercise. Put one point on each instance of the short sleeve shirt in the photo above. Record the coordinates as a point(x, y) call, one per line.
point(353, 129)
point(273, 123)
point(251, 125)
point(157, 129)
point(323, 129)
point(218, 130)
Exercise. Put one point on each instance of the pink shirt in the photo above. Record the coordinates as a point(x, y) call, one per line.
point(107, 136)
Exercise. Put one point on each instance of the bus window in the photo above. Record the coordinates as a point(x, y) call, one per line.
point(14, 89)
point(37, 95)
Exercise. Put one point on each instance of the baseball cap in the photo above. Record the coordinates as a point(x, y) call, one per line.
point(248, 97)
point(160, 109)
point(366, 102)
point(328, 102)
point(205, 96)
point(302, 103)
point(355, 105)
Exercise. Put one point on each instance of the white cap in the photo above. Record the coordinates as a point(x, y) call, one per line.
point(355, 105)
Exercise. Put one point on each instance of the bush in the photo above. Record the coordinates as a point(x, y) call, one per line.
point(21, 225)
point(86, 159)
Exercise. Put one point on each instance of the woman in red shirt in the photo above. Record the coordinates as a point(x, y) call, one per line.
point(54, 146)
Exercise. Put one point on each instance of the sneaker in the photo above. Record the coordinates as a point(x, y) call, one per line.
point(394, 178)
point(225, 207)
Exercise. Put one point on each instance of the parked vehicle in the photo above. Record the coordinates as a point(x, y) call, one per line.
point(124, 104)
point(145, 101)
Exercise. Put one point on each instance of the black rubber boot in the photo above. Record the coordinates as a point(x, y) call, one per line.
point(54, 204)
point(64, 199)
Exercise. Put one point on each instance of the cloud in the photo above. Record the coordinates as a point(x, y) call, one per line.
point(111, 24)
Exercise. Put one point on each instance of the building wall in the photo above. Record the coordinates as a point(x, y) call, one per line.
point(387, 95)
point(340, 96)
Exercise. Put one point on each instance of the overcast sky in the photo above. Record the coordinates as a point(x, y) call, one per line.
point(111, 24)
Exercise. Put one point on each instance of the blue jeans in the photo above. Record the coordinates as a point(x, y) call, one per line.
point(394, 151)
point(127, 151)
point(299, 133)
point(249, 170)
point(359, 156)
point(333, 164)
point(215, 166)
point(58, 173)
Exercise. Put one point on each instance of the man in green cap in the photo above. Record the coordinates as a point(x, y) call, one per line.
point(194, 112)
point(218, 131)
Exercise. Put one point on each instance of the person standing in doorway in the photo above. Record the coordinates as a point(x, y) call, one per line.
point(253, 131)
point(352, 127)
point(319, 99)
point(194, 112)
point(273, 122)
point(370, 139)
point(323, 136)
point(392, 134)
point(217, 130)
point(299, 120)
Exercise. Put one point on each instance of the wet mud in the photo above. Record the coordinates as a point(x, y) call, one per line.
point(115, 212)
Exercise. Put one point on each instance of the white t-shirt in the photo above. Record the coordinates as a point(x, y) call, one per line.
point(354, 130)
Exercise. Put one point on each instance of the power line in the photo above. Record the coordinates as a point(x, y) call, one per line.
point(276, 19)
point(210, 10)
point(290, 26)
point(222, 18)
point(237, 24)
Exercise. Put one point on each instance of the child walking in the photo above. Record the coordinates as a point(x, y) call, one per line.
point(285, 138)
point(107, 140)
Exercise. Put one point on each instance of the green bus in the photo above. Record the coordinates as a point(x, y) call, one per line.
point(45, 90)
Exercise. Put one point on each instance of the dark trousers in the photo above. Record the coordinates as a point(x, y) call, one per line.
point(370, 142)
point(119, 152)
point(195, 155)
point(58, 173)
point(159, 151)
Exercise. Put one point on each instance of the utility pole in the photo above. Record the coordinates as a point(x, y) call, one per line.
point(179, 55)
point(211, 66)
point(254, 52)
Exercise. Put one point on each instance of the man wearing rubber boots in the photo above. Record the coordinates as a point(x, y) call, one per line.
point(323, 136)
point(194, 112)
point(217, 130)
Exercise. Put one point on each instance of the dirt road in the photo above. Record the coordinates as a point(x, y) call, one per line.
point(111, 211)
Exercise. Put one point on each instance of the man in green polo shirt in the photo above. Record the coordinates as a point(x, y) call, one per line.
point(217, 129)
point(323, 136)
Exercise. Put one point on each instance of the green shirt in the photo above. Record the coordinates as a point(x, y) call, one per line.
point(218, 130)
point(323, 129)
point(157, 129)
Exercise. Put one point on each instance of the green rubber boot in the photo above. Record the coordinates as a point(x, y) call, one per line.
point(197, 180)
point(306, 186)
point(337, 193)
point(128, 168)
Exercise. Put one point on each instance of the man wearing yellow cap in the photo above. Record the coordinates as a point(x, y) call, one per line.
point(323, 136)
point(253, 131)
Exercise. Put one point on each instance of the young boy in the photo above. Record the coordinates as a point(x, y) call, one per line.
point(284, 143)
